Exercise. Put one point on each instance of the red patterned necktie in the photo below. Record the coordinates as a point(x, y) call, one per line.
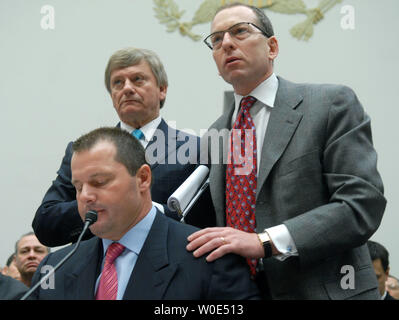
point(241, 174)
point(108, 287)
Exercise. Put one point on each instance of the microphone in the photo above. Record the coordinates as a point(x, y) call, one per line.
point(90, 218)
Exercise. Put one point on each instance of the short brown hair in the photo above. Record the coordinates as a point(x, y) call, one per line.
point(129, 150)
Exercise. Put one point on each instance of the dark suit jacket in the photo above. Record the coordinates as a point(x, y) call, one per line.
point(164, 270)
point(11, 289)
point(57, 221)
point(317, 176)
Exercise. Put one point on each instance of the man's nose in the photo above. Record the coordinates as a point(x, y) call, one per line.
point(32, 254)
point(129, 87)
point(227, 41)
point(87, 195)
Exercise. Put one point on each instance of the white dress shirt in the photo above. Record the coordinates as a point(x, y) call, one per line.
point(148, 130)
point(265, 94)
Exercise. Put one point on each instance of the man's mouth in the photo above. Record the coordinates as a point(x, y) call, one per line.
point(98, 210)
point(231, 60)
point(130, 100)
point(32, 265)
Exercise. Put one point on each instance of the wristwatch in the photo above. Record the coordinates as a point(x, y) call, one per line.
point(266, 243)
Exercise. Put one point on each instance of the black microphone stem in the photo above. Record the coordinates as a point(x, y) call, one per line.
point(51, 272)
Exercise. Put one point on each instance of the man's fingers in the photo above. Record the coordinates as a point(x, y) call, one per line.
point(220, 241)
point(212, 245)
point(200, 233)
point(205, 240)
point(219, 252)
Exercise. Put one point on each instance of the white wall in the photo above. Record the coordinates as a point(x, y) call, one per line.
point(52, 91)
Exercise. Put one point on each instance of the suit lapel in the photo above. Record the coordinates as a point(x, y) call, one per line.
point(283, 122)
point(79, 284)
point(152, 272)
point(218, 169)
point(165, 148)
point(166, 137)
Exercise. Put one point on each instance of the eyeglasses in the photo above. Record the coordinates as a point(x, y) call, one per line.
point(239, 31)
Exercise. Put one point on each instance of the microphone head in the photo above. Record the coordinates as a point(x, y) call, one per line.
point(91, 217)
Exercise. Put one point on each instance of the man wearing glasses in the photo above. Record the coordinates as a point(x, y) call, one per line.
point(312, 196)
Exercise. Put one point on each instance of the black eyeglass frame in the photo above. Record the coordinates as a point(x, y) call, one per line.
point(228, 30)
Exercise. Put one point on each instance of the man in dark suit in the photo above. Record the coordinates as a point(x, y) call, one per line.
point(311, 196)
point(137, 83)
point(10, 288)
point(380, 258)
point(137, 253)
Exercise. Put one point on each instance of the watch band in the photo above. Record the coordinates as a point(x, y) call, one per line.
point(266, 244)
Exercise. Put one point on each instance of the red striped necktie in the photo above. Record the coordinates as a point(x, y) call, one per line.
point(108, 287)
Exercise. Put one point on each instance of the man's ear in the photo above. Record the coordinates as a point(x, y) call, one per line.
point(143, 176)
point(162, 92)
point(273, 47)
point(387, 272)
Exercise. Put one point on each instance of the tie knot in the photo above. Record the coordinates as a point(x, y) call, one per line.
point(138, 134)
point(113, 252)
point(247, 102)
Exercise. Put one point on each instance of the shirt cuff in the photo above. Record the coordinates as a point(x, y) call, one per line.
point(283, 242)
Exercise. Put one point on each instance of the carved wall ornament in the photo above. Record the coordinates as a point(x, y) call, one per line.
point(168, 13)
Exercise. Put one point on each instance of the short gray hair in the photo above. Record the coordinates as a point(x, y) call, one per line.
point(31, 233)
point(131, 56)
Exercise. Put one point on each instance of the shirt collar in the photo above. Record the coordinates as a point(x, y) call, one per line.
point(134, 239)
point(265, 92)
point(148, 129)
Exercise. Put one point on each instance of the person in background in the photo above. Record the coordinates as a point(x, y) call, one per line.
point(10, 269)
point(29, 252)
point(392, 286)
point(380, 258)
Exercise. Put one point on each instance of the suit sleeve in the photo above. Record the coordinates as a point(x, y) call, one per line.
point(57, 220)
point(349, 168)
point(11, 289)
